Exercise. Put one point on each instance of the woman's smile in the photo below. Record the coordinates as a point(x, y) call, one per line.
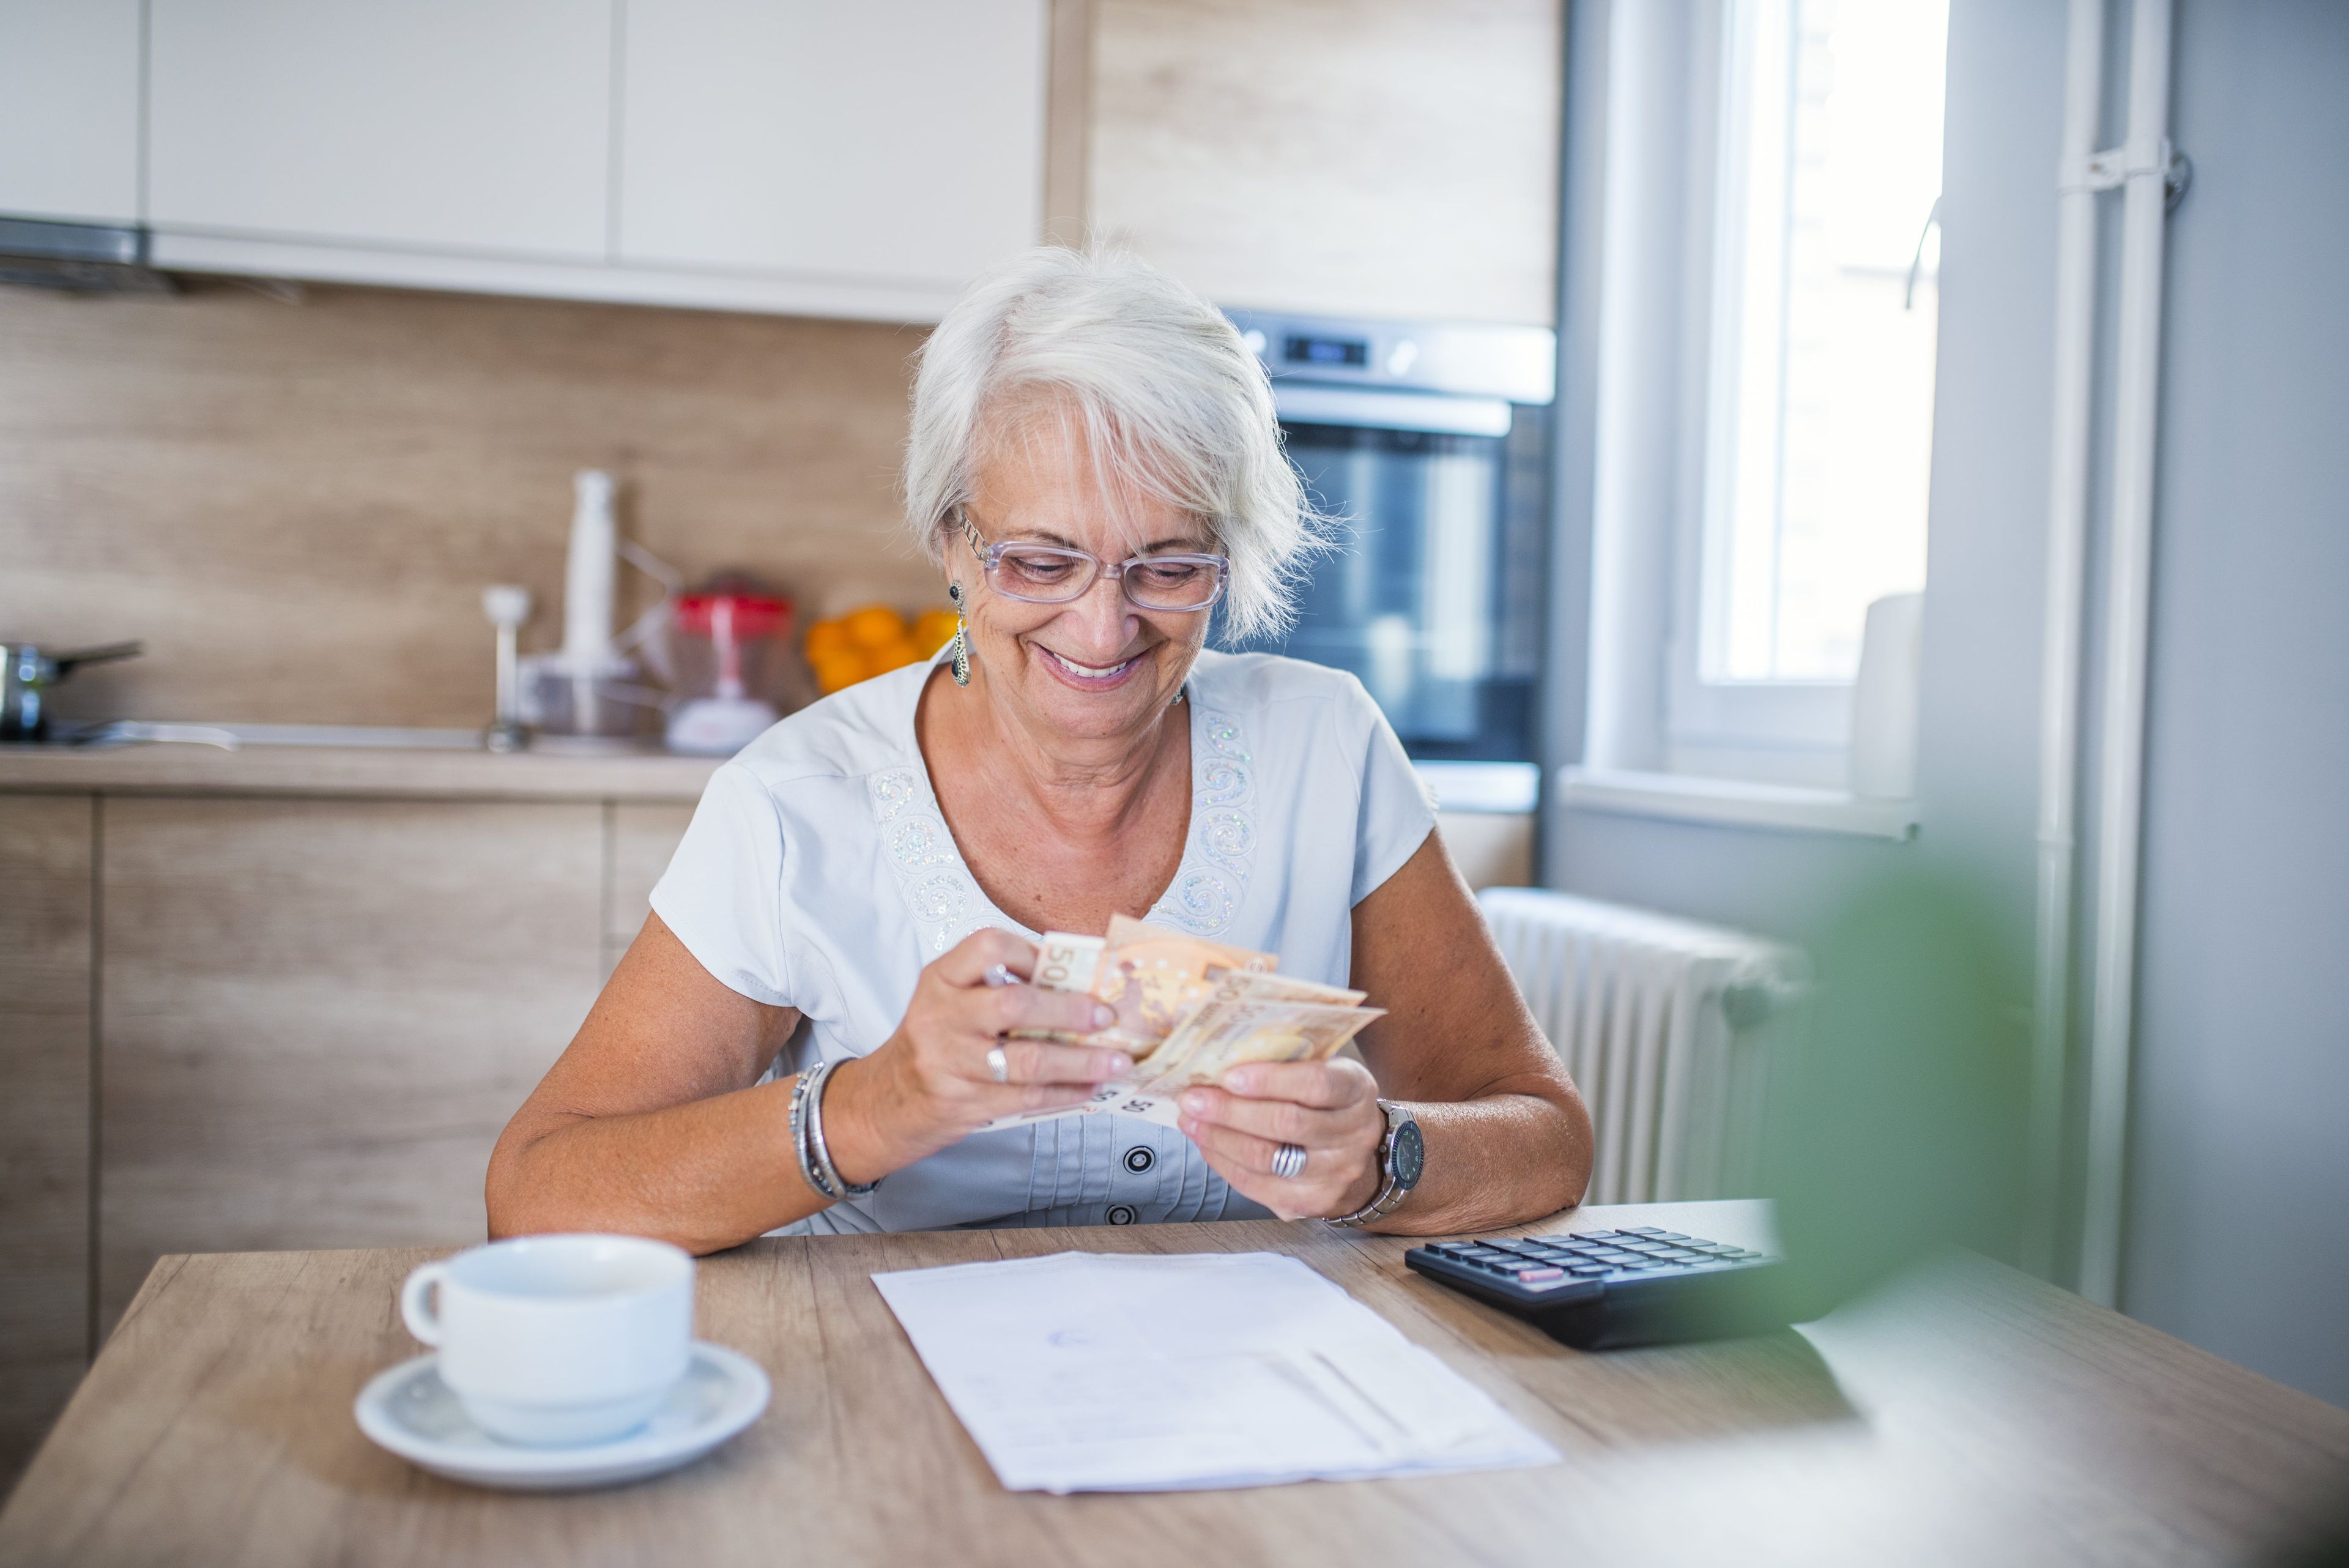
point(1090, 677)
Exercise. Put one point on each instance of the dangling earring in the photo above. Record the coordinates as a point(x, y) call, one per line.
point(961, 665)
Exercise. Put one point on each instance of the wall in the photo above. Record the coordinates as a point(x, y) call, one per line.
point(298, 506)
point(2238, 1235)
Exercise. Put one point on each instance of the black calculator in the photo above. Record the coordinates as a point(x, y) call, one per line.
point(1599, 1290)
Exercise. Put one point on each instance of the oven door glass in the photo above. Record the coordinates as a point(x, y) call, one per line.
point(1433, 598)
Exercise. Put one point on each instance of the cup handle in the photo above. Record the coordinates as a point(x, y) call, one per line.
point(425, 1325)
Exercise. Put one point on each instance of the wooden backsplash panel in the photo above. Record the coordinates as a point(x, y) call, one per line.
point(296, 505)
point(1382, 158)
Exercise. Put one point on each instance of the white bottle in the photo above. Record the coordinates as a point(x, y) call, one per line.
point(578, 693)
point(587, 580)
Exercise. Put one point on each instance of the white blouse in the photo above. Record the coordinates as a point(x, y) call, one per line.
point(818, 874)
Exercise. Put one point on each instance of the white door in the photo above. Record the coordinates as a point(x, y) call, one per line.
point(69, 109)
point(886, 141)
point(456, 126)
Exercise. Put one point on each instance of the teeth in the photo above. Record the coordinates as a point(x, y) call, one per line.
point(1088, 670)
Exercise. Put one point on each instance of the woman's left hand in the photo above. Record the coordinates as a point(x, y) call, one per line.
point(1329, 1109)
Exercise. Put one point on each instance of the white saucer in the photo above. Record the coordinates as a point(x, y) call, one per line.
point(411, 1412)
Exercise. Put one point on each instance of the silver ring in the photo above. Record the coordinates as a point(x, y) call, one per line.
point(997, 974)
point(999, 1065)
point(1288, 1162)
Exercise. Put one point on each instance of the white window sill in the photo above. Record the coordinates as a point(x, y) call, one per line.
point(1734, 803)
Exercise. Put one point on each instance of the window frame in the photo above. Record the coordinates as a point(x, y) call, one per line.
point(1781, 731)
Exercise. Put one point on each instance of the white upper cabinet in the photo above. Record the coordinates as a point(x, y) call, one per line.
point(891, 142)
point(477, 127)
point(858, 158)
point(69, 109)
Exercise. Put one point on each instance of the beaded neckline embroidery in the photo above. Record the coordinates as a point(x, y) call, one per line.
point(1209, 884)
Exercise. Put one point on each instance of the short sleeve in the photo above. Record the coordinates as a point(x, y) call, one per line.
point(1396, 814)
point(722, 894)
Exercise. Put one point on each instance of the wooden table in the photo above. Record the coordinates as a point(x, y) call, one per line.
point(1969, 1415)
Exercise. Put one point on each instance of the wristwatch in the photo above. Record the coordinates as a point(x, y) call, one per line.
point(1403, 1155)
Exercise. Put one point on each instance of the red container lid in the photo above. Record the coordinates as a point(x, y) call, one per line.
point(750, 614)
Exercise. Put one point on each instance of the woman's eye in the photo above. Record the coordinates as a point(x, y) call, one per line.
point(1040, 568)
point(1173, 574)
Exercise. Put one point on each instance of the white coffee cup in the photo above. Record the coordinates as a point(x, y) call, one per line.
point(557, 1340)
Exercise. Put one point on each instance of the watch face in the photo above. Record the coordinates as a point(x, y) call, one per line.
point(1410, 1156)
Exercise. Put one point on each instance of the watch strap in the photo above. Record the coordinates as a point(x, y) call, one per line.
point(1390, 1192)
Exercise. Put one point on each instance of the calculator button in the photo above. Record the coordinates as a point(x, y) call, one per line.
point(1641, 1230)
point(1588, 1271)
point(1530, 1276)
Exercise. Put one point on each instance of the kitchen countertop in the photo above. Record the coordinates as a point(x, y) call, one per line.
point(394, 771)
point(319, 760)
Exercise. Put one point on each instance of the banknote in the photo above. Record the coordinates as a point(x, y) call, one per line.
point(1189, 1011)
point(1150, 976)
point(1280, 987)
point(1241, 1019)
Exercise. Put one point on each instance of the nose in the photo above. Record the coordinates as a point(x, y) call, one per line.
point(1099, 621)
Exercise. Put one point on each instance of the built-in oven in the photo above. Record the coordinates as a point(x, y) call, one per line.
point(1430, 445)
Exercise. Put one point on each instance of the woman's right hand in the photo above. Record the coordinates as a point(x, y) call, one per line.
point(928, 1085)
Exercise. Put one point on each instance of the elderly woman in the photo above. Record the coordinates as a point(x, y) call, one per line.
point(1095, 464)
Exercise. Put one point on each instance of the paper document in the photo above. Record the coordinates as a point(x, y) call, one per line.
point(1118, 1372)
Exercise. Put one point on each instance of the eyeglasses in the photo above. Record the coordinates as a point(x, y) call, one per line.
point(1050, 574)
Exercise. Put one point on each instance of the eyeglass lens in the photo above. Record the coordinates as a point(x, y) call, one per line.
point(1044, 575)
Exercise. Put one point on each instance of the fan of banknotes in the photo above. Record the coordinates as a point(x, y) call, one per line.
point(1188, 1010)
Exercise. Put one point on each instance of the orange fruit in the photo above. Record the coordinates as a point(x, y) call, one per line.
point(892, 655)
point(873, 626)
point(826, 636)
point(841, 668)
point(930, 632)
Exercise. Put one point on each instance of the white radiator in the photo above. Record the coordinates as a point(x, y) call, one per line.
point(1668, 1027)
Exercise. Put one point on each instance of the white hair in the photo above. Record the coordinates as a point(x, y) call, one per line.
point(1143, 376)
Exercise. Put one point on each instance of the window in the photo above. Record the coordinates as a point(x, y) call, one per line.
point(1817, 424)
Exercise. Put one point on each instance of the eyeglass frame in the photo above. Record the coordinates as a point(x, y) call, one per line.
point(990, 555)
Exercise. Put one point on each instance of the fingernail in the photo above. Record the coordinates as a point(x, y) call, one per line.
point(1195, 1102)
point(1108, 1065)
point(1103, 1016)
point(1242, 1080)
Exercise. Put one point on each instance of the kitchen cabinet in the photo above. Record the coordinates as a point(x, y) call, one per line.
point(1379, 158)
point(318, 1014)
point(69, 109)
point(45, 1129)
point(1491, 849)
point(894, 139)
point(644, 835)
point(434, 124)
point(788, 155)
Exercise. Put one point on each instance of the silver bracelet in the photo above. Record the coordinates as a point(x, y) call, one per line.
point(834, 1185)
point(800, 1147)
